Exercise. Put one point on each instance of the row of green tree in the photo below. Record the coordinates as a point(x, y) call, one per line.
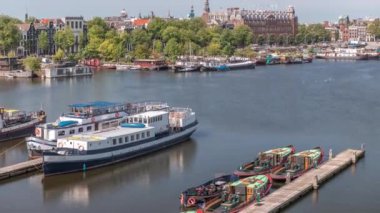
point(162, 38)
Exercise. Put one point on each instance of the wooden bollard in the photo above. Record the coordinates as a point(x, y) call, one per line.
point(288, 178)
point(362, 147)
point(315, 182)
point(354, 157)
point(330, 154)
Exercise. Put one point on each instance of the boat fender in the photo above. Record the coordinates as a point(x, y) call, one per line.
point(191, 201)
point(60, 145)
point(38, 132)
point(81, 148)
point(117, 115)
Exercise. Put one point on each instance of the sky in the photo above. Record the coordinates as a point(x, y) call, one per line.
point(308, 11)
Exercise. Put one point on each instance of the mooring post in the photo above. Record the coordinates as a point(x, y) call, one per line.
point(330, 154)
point(288, 179)
point(354, 157)
point(362, 147)
point(315, 182)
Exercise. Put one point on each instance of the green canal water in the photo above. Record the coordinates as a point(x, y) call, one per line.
point(329, 104)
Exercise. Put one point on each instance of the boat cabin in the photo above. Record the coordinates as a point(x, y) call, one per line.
point(150, 63)
point(304, 160)
point(108, 139)
point(157, 119)
point(273, 157)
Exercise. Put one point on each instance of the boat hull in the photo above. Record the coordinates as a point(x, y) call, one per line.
point(22, 131)
point(61, 164)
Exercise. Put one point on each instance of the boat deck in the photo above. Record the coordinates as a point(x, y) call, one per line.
point(289, 193)
point(20, 168)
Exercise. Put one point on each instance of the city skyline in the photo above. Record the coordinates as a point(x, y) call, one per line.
point(306, 11)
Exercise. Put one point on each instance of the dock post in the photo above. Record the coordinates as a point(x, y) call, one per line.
point(354, 157)
point(330, 154)
point(362, 147)
point(288, 179)
point(315, 182)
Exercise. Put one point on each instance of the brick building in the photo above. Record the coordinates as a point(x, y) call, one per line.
point(262, 22)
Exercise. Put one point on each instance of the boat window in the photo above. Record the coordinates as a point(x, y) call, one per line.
point(132, 137)
point(80, 129)
point(140, 120)
point(145, 121)
point(135, 119)
point(114, 124)
point(106, 125)
point(61, 133)
point(120, 140)
point(148, 134)
point(126, 139)
point(89, 128)
point(137, 136)
point(143, 135)
point(72, 131)
point(114, 141)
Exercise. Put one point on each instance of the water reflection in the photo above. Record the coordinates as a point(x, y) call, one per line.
point(315, 197)
point(12, 152)
point(76, 189)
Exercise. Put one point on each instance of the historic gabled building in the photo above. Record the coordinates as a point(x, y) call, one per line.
point(262, 22)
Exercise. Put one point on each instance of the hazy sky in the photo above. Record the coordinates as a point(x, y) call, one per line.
point(307, 10)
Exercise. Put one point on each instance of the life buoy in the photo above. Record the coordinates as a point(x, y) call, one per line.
point(191, 201)
point(60, 145)
point(81, 148)
point(37, 132)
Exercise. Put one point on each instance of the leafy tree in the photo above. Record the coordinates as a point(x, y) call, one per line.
point(59, 56)
point(374, 28)
point(243, 36)
point(32, 63)
point(43, 41)
point(9, 33)
point(64, 39)
point(172, 49)
point(214, 48)
point(141, 51)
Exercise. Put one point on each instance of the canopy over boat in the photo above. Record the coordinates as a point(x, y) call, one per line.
point(67, 123)
point(314, 154)
point(284, 151)
point(95, 104)
point(252, 182)
point(132, 125)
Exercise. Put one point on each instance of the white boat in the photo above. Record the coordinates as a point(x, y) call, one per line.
point(83, 118)
point(123, 67)
point(67, 70)
point(141, 134)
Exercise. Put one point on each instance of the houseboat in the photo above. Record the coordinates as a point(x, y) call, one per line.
point(84, 118)
point(141, 134)
point(16, 124)
point(266, 162)
point(298, 164)
point(196, 197)
point(343, 54)
point(66, 70)
point(241, 193)
point(151, 64)
point(236, 66)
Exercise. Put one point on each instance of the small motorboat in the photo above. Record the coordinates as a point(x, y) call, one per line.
point(298, 164)
point(241, 193)
point(199, 197)
point(266, 162)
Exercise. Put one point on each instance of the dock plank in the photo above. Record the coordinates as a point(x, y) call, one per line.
point(20, 168)
point(289, 193)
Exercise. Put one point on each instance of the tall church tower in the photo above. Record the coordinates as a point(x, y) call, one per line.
point(206, 11)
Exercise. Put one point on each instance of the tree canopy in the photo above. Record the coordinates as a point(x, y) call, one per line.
point(9, 33)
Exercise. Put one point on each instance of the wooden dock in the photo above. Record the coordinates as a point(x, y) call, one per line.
point(290, 192)
point(20, 168)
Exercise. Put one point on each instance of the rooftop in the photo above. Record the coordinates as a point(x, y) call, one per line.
point(151, 114)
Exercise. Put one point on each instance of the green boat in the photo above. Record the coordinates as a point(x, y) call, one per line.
point(241, 193)
point(298, 164)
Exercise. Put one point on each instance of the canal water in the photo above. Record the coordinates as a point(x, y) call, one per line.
point(330, 104)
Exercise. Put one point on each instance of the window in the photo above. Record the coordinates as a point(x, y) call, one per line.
point(105, 125)
point(143, 135)
point(120, 140)
point(114, 141)
point(61, 133)
point(80, 129)
point(132, 137)
point(80, 25)
point(72, 25)
point(89, 128)
point(137, 136)
point(135, 119)
point(126, 139)
point(76, 25)
point(148, 134)
point(72, 131)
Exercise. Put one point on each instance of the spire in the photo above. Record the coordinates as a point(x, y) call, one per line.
point(191, 14)
point(207, 7)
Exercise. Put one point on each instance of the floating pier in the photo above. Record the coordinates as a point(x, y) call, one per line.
point(290, 192)
point(20, 168)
